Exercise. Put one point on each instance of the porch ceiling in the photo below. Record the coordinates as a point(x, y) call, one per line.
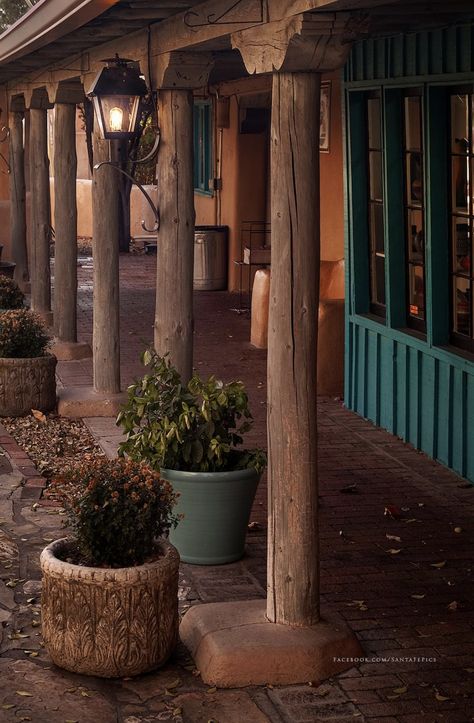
point(82, 26)
point(76, 27)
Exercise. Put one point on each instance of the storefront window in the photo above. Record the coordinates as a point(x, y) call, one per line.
point(414, 208)
point(462, 218)
point(376, 204)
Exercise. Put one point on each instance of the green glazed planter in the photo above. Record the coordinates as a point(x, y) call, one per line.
point(216, 508)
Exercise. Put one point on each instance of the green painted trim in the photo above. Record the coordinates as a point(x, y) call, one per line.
point(411, 81)
point(447, 354)
point(202, 122)
point(394, 220)
point(358, 217)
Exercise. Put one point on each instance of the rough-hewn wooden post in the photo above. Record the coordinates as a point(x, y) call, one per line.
point(40, 273)
point(293, 552)
point(105, 251)
point(175, 253)
point(65, 223)
point(18, 198)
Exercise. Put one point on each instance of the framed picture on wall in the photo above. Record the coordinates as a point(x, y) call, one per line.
point(325, 117)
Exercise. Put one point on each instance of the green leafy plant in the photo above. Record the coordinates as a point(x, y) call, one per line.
point(11, 296)
point(116, 510)
point(195, 427)
point(22, 334)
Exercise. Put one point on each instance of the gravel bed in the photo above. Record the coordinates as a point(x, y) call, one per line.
point(53, 442)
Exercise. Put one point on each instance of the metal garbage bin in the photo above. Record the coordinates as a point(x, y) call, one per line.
point(210, 258)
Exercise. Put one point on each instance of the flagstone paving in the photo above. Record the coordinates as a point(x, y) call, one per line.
point(397, 540)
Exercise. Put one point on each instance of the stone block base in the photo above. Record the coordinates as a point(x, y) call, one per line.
point(70, 351)
point(85, 402)
point(234, 645)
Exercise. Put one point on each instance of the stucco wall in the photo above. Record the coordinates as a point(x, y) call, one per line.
point(245, 179)
point(139, 208)
point(331, 178)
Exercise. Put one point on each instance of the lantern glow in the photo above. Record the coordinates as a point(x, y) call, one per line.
point(116, 94)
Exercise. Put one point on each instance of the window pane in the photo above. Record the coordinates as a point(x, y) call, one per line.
point(459, 123)
point(413, 123)
point(414, 179)
point(415, 235)
point(375, 123)
point(379, 290)
point(375, 175)
point(460, 184)
point(461, 245)
point(417, 292)
point(462, 306)
point(377, 228)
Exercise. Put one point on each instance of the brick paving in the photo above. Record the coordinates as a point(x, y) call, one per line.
point(397, 537)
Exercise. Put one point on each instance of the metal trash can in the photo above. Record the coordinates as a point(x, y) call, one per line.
point(210, 258)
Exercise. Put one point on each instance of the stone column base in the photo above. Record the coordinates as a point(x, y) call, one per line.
point(85, 402)
point(70, 350)
point(234, 645)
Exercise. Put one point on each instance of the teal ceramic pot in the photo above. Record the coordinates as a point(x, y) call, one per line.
point(216, 508)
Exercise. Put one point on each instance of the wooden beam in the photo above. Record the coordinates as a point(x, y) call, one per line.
point(65, 222)
point(41, 215)
point(175, 250)
point(293, 546)
point(105, 250)
point(18, 197)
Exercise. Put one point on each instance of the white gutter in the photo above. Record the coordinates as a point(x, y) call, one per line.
point(45, 22)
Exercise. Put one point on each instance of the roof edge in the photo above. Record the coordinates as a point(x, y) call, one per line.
point(45, 22)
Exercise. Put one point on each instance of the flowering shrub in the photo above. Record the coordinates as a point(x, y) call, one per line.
point(195, 427)
point(116, 509)
point(22, 334)
point(11, 296)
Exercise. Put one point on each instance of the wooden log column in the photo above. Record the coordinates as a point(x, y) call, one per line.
point(18, 198)
point(175, 250)
point(105, 251)
point(40, 273)
point(293, 549)
point(175, 74)
point(65, 223)
point(284, 640)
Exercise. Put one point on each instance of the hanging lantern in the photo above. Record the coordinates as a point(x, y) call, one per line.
point(116, 93)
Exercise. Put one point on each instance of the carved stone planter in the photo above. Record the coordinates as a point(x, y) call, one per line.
point(27, 384)
point(109, 622)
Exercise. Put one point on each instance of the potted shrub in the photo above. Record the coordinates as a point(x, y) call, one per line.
point(11, 296)
point(27, 371)
point(192, 433)
point(110, 591)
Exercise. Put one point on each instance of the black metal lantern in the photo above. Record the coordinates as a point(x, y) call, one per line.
point(116, 93)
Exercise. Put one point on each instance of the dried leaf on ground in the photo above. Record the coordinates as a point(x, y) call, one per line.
point(392, 511)
point(38, 415)
point(54, 443)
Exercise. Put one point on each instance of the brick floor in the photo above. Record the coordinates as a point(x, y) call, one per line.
point(403, 581)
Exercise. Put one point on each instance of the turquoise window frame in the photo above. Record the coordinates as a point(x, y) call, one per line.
point(203, 156)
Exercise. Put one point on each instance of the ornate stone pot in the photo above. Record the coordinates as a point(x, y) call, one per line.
point(27, 384)
point(109, 622)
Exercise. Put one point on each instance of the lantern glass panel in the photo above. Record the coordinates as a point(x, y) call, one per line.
point(117, 115)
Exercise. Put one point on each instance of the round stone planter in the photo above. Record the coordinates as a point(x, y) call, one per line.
point(109, 622)
point(216, 510)
point(27, 384)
